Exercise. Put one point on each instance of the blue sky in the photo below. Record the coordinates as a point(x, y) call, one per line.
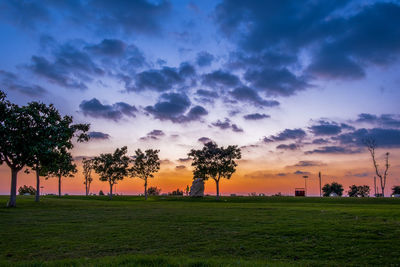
point(167, 73)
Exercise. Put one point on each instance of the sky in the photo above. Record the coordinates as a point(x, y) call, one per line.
point(297, 85)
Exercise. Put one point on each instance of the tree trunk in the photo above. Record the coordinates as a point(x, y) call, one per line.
point(13, 193)
point(111, 187)
point(37, 196)
point(59, 186)
point(86, 186)
point(145, 189)
point(88, 189)
point(383, 191)
point(217, 183)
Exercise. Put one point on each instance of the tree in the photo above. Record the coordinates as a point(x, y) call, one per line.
point(332, 188)
point(177, 192)
point(50, 133)
point(359, 191)
point(396, 190)
point(22, 190)
point(145, 165)
point(112, 167)
point(153, 191)
point(87, 173)
point(214, 162)
point(371, 144)
point(61, 166)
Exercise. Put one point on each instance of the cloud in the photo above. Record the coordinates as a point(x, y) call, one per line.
point(204, 59)
point(333, 150)
point(108, 47)
point(99, 136)
point(153, 135)
point(117, 111)
point(10, 81)
point(226, 124)
point(173, 106)
point(183, 160)
point(256, 116)
point(320, 141)
point(220, 78)
point(386, 120)
point(180, 167)
point(329, 128)
point(287, 134)
point(162, 79)
point(308, 163)
point(288, 147)
point(247, 94)
point(204, 140)
point(301, 173)
point(384, 137)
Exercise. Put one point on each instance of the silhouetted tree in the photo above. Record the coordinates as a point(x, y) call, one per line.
point(214, 162)
point(396, 190)
point(177, 192)
point(112, 167)
point(371, 144)
point(153, 191)
point(61, 166)
point(50, 133)
point(332, 188)
point(359, 191)
point(28, 134)
point(87, 166)
point(145, 165)
point(22, 190)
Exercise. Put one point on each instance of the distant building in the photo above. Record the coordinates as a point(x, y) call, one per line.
point(333, 194)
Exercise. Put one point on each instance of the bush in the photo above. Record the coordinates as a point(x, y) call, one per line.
point(101, 193)
point(26, 190)
point(359, 191)
point(332, 188)
point(153, 191)
point(396, 190)
point(177, 192)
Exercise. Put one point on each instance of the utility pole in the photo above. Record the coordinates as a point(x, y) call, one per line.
point(375, 186)
point(320, 192)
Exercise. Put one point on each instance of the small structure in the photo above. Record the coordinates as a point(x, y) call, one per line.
point(299, 192)
point(197, 188)
point(333, 194)
point(396, 195)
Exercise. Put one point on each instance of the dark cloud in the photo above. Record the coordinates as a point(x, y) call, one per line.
point(329, 128)
point(308, 163)
point(204, 59)
point(276, 82)
point(226, 124)
point(204, 140)
point(10, 81)
point(163, 79)
point(240, 60)
point(333, 150)
point(207, 93)
point(95, 109)
point(247, 94)
point(71, 67)
point(288, 147)
point(109, 47)
point(180, 167)
point(256, 116)
point(301, 173)
point(320, 141)
point(102, 16)
point(183, 160)
point(173, 106)
point(99, 136)
point(221, 78)
point(153, 135)
point(386, 120)
point(287, 134)
point(384, 137)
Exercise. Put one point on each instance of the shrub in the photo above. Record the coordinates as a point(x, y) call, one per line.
point(332, 188)
point(26, 190)
point(101, 193)
point(177, 192)
point(396, 190)
point(153, 191)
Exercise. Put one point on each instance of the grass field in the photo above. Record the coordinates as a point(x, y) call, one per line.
point(173, 231)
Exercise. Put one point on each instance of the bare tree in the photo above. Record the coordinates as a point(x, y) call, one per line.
point(370, 143)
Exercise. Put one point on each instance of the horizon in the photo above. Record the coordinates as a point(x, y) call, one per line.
point(296, 86)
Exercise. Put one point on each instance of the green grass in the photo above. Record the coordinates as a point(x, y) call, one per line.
point(176, 231)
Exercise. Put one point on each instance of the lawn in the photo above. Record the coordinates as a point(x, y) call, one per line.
point(179, 231)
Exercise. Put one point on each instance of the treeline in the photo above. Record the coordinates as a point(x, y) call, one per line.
point(35, 137)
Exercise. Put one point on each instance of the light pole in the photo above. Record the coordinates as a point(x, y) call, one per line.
point(305, 183)
point(320, 193)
